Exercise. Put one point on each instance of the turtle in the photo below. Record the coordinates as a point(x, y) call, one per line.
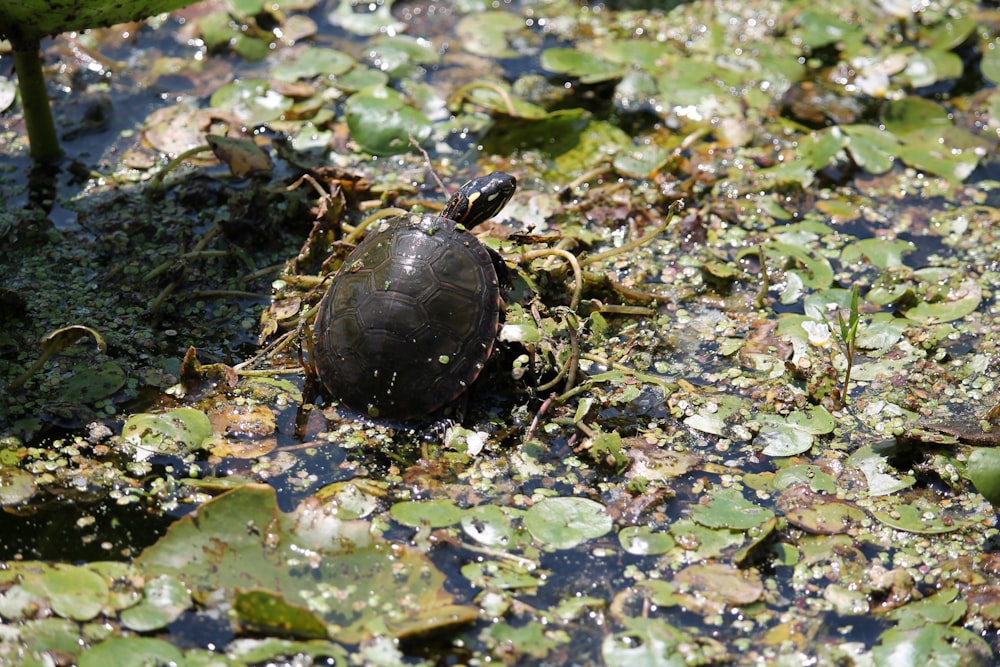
point(411, 318)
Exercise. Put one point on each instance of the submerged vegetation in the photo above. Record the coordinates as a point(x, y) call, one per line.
point(743, 407)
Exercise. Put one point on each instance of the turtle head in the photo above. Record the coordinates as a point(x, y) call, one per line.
point(480, 199)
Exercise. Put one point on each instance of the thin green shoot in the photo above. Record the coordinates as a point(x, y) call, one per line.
point(846, 335)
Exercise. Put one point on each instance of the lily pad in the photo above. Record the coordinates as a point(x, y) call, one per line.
point(921, 517)
point(308, 559)
point(984, 471)
point(382, 121)
point(643, 541)
point(431, 514)
point(132, 652)
point(489, 33)
point(16, 485)
point(164, 600)
point(253, 101)
point(729, 509)
point(173, 432)
point(563, 523)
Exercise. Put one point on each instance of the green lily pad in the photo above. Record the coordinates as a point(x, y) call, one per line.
point(131, 652)
point(783, 440)
point(16, 485)
point(921, 517)
point(252, 101)
point(382, 121)
point(828, 518)
point(313, 62)
point(489, 33)
point(585, 66)
point(813, 476)
point(878, 472)
point(164, 599)
point(173, 432)
point(563, 523)
point(984, 471)
point(878, 252)
point(914, 114)
point(947, 295)
point(73, 592)
point(268, 612)
point(872, 148)
point(729, 509)
point(431, 513)
point(309, 559)
point(92, 383)
point(400, 54)
point(932, 645)
point(487, 524)
point(644, 541)
point(990, 64)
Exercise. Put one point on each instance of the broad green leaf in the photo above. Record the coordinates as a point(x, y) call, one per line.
point(563, 523)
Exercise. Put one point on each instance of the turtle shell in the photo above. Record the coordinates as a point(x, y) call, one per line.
point(410, 320)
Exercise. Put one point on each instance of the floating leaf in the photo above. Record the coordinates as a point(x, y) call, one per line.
point(817, 480)
point(783, 440)
point(720, 584)
point(730, 510)
point(489, 33)
point(948, 295)
point(990, 64)
point(430, 513)
point(643, 541)
point(173, 432)
point(826, 518)
point(877, 471)
point(314, 62)
point(984, 471)
point(872, 148)
point(921, 517)
point(252, 101)
point(164, 599)
point(487, 524)
point(582, 65)
point(39, 18)
point(266, 612)
point(16, 485)
point(382, 121)
point(648, 642)
point(310, 559)
point(879, 252)
point(563, 523)
point(73, 592)
point(131, 652)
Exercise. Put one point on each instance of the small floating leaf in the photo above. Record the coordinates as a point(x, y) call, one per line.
point(252, 101)
point(132, 652)
point(176, 431)
point(430, 513)
point(729, 509)
point(16, 485)
point(164, 599)
point(984, 471)
point(643, 541)
point(563, 523)
point(382, 121)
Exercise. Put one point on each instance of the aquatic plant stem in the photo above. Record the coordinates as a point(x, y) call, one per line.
point(35, 101)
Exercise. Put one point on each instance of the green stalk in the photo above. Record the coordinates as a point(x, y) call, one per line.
point(35, 101)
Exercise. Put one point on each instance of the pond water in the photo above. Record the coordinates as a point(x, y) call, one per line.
point(733, 431)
